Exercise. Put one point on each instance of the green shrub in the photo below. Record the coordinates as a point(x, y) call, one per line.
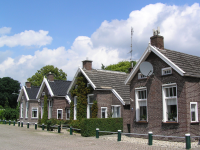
point(94, 109)
point(10, 114)
point(88, 126)
point(76, 124)
point(1, 114)
point(39, 118)
point(72, 110)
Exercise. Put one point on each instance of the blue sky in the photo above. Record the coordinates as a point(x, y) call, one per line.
point(63, 32)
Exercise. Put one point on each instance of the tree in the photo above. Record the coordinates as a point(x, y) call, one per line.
point(9, 90)
point(122, 66)
point(45, 114)
point(37, 78)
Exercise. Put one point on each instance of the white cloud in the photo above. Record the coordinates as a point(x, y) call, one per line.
point(110, 43)
point(26, 38)
point(4, 30)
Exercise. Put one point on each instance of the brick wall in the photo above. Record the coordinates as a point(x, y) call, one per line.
point(154, 101)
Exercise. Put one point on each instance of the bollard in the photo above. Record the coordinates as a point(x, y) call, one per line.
point(43, 126)
point(48, 127)
point(119, 135)
point(27, 124)
point(150, 138)
point(18, 123)
point(35, 126)
point(22, 124)
point(71, 131)
point(14, 123)
point(5, 121)
point(9, 122)
point(187, 141)
point(58, 129)
point(97, 132)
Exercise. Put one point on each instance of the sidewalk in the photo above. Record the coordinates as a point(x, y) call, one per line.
point(18, 138)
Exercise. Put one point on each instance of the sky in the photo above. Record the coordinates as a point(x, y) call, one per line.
point(63, 33)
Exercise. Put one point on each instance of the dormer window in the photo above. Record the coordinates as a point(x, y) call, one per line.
point(166, 71)
point(141, 76)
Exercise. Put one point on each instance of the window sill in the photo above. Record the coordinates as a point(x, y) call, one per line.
point(170, 122)
point(163, 75)
point(141, 122)
point(193, 123)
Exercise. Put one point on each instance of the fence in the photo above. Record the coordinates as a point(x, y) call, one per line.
point(150, 137)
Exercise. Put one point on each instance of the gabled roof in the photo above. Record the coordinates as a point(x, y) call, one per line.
point(106, 80)
point(30, 93)
point(55, 88)
point(184, 64)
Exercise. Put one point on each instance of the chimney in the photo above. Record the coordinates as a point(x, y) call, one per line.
point(157, 40)
point(87, 64)
point(28, 84)
point(50, 77)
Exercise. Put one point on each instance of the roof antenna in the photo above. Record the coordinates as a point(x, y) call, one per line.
point(131, 43)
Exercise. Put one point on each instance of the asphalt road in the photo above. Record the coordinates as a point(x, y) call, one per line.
point(21, 138)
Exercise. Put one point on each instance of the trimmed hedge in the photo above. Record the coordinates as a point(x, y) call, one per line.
point(88, 126)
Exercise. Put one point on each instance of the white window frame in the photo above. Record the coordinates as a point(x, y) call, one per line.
point(165, 69)
point(50, 110)
point(32, 112)
point(21, 109)
point(137, 100)
point(26, 110)
point(43, 93)
point(61, 113)
point(75, 107)
point(141, 76)
point(106, 116)
point(88, 105)
point(196, 111)
point(115, 107)
point(164, 99)
point(66, 113)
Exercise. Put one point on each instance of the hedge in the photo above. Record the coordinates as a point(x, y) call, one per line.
point(88, 126)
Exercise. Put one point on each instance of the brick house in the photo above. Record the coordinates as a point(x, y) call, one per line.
point(168, 101)
point(109, 90)
point(28, 103)
point(57, 99)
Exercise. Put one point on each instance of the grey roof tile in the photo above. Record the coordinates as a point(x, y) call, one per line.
point(32, 92)
point(113, 79)
point(59, 87)
point(188, 63)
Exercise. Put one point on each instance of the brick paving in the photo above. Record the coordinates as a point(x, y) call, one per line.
point(21, 138)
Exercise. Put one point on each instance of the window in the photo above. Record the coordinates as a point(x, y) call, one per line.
point(88, 85)
point(166, 71)
point(26, 109)
point(42, 109)
point(75, 107)
point(170, 102)
point(116, 111)
point(141, 76)
point(21, 109)
point(194, 112)
point(103, 112)
point(89, 106)
point(50, 110)
point(34, 112)
point(67, 113)
point(43, 93)
point(59, 114)
point(141, 104)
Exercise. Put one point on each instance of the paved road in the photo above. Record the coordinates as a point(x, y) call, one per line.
point(21, 138)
